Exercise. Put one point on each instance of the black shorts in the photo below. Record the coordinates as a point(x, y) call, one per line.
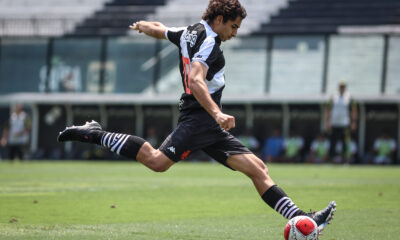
point(197, 130)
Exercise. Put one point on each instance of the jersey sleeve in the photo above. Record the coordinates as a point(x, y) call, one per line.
point(207, 53)
point(174, 35)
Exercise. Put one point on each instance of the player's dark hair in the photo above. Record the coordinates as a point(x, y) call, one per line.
point(229, 9)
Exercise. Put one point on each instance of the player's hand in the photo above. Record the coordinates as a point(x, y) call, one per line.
point(353, 126)
point(3, 142)
point(135, 26)
point(328, 126)
point(225, 121)
point(18, 134)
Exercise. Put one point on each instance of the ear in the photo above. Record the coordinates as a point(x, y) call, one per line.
point(220, 19)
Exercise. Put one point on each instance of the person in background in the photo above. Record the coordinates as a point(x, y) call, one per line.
point(249, 140)
point(341, 119)
point(319, 151)
point(350, 152)
point(384, 147)
point(273, 147)
point(292, 147)
point(15, 135)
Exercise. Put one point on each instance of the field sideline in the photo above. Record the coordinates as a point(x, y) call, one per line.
point(124, 200)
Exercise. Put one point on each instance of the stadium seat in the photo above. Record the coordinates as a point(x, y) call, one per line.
point(44, 17)
point(315, 16)
point(185, 12)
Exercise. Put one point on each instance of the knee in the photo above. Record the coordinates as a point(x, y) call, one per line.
point(260, 170)
point(159, 163)
point(261, 165)
point(154, 160)
point(158, 166)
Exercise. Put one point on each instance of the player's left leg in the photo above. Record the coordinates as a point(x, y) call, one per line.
point(274, 196)
point(126, 145)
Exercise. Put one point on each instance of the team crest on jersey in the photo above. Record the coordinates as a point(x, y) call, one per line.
point(190, 37)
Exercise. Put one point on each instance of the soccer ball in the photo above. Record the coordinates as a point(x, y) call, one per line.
point(301, 228)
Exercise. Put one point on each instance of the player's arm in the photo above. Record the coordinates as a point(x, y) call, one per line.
point(152, 29)
point(4, 136)
point(199, 89)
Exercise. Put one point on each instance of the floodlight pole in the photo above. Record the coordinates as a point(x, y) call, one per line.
point(34, 128)
point(69, 121)
point(398, 133)
point(361, 131)
point(286, 120)
point(139, 120)
point(249, 116)
point(384, 63)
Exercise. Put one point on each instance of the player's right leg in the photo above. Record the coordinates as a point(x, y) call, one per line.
point(274, 196)
point(123, 144)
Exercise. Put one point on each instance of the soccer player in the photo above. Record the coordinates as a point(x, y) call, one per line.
point(202, 124)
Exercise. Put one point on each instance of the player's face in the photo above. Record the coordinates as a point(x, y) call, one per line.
point(230, 29)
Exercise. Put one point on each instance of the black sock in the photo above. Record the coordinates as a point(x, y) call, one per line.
point(277, 199)
point(121, 144)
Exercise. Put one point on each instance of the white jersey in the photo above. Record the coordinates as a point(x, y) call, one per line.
point(199, 43)
point(18, 124)
point(340, 114)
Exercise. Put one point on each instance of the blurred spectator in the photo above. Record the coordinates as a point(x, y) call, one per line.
point(339, 121)
point(248, 140)
point(292, 147)
point(273, 146)
point(349, 155)
point(319, 151)
point(16, 134)
point(384, 148)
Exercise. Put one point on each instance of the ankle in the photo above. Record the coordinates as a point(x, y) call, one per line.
point(96, 136)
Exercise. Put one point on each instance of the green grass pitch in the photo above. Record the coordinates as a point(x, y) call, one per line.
point(124, 200)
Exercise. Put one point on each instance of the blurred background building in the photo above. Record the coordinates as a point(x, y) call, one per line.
point(69, 61)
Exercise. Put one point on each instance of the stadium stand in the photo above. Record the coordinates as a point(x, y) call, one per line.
point(116, 16)
point(44, 17)
point(111, 17)
point(184, 12)
point(315, 16)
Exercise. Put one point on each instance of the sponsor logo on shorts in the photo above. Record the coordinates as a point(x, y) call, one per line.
point(185, 154)
point(171, 149)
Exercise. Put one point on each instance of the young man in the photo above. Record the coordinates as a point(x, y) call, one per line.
point(16, 133)
point(202, 124)
point(341, 119)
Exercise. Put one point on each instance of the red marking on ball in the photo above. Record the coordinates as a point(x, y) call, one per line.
point(305, 226)
point(287, 231)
